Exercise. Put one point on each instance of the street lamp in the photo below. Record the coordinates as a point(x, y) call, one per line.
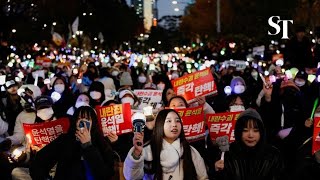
point(54, 23)
point(14, 30)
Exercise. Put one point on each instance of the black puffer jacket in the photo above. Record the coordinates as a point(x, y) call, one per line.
point(262, 162)
point(67, 153)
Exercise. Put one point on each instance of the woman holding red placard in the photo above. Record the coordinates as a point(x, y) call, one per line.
point(82, 153)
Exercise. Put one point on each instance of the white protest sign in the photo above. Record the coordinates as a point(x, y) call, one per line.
point(39, 73)
point(239, 64)
point(258, 51)
point(2, 79)
point(149, 98)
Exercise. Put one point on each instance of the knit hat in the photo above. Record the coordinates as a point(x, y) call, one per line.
point(237, 79)
point(125, 79)
point(43, 102)
point(249, 114)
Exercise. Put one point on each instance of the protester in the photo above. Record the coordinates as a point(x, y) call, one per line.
point(128, 96)
point(96, 92)
point(64, 101)
point(82, 153)
point(83, 99)
point(10, 104)
point(106, 80)
point(162, 158)
point(249, 157)
point(125, 77)
point(167, 94)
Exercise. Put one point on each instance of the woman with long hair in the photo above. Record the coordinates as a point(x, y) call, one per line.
point(167, 156)
point(82, 153)
point(249, 156)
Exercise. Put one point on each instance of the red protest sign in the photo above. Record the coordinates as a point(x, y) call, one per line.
point(316, 135)
point(193, 124)
point(222, 124)
point(276, 57)
point(43, 61)
point(200, 83)
point(116, 118)
point(41, 134)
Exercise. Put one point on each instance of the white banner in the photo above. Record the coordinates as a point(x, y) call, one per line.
point(149, 98)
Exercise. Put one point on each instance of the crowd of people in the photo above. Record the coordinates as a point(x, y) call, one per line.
point(272, 134)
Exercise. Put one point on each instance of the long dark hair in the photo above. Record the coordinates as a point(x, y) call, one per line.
point(244, 122)
point(97, 138)
point(189, 171)
point(164, 96)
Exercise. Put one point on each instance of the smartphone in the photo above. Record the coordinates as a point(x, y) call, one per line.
point(82, 122)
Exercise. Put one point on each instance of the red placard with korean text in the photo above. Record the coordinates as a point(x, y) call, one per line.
point(115, 118)
point(200, 83)
point(316, 135)
point(222, 124)
point(41, 134)
point(193, 122)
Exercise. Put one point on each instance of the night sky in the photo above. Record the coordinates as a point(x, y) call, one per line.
point(166, 7)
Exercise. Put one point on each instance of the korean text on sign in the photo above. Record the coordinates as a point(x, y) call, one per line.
point(193, 123)
point(43, 133)
point(200, 83)
point(316, 135)
point(149, 97)
point(115, 118)
point(222, 124)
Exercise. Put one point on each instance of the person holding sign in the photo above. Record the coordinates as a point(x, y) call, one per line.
point(168, 156)
point(62, 104)
point(82, 153)
point(249, 157)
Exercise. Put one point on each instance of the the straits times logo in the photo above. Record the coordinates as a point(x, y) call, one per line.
point(274, 22)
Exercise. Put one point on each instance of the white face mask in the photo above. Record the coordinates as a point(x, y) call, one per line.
point(238, 89)
point(174, 76)
point(236, 108)
point(81, 103)
point(300, 83)
point(161, 86)
point(114, 73)
point(142, 79)
point(59, 88)
point(127, 100)
point(254, 74)
point(95, 95)
point(45, 114)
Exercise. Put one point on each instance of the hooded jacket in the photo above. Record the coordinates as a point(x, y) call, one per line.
point(241, 162)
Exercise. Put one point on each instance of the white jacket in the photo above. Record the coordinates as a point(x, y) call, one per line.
point(108, 83)
point(172, 169)
point(18, 136)
point(3, 129)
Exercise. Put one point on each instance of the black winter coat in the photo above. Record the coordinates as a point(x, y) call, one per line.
point(251, 164)
point(66, 152)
